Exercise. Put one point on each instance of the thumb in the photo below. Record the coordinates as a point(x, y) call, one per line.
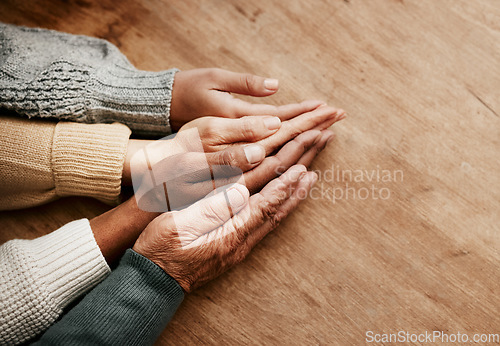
point(209, 213)
point(246, 84)
point(236, 159)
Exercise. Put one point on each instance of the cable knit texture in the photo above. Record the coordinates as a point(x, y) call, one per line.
point(40, 277)
point(45, 73)
point(41, 161)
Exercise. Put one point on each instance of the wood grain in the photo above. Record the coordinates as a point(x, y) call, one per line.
point(420, 80)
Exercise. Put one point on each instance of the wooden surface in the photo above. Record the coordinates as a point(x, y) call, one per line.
point(420, 80)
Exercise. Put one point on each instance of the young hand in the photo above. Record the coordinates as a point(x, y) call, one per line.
point(207, 92)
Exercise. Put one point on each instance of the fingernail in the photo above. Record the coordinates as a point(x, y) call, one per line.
point(235, 198)
point(271, 84)
point(272, 123)
point(254, 153)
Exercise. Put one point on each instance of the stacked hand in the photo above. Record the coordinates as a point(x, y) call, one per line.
point(210, 152)
point(198, 243)
point(222, 142)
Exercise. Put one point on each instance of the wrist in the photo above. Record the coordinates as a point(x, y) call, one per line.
point(153, 151)
point(119, 228)
point(176, 104)
point(134, 145)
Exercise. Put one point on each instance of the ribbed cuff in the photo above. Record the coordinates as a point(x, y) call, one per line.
point(68, 261)
point(151, 299)
point(87, 159)
point(148, 274)
point(140, 99)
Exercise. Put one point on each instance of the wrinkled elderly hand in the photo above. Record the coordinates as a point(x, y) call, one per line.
point(222, 143)
point(207, 92)
point(199, 243)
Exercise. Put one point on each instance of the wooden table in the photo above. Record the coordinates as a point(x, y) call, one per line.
point(416, 249)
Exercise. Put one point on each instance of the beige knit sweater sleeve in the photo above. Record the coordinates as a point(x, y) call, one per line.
point(41, 161)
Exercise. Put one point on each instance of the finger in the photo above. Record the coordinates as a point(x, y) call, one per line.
point(341, 115)
point(264, 203)
point(208, 214)
point(268, 200)
point(300, 193)
point(289, 111)
point(284, 112)
point(216, 133)
point(243, 157)
point(308, 157)
point(232, 235)
point(293, 127)
point(245, 83)
point(286, 157)
point(246, 129)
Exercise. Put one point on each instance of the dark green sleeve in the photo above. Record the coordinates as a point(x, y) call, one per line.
point(130, 307)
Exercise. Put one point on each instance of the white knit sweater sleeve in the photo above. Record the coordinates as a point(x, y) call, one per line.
point(40, 277)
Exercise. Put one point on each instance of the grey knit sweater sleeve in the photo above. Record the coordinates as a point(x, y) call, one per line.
point(45, 73)
point(130, 307)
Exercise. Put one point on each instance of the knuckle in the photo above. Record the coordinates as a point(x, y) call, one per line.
point(302, 146)
point(293, 131)
point(248, 129)
point(270, 209)
point(278, 165)
point(212, 213)
point(208, 127)
point(212, 73)
point(276, 219)
point(241, 254)
point(249, 81)
point(228, 158)
point(281, 193)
